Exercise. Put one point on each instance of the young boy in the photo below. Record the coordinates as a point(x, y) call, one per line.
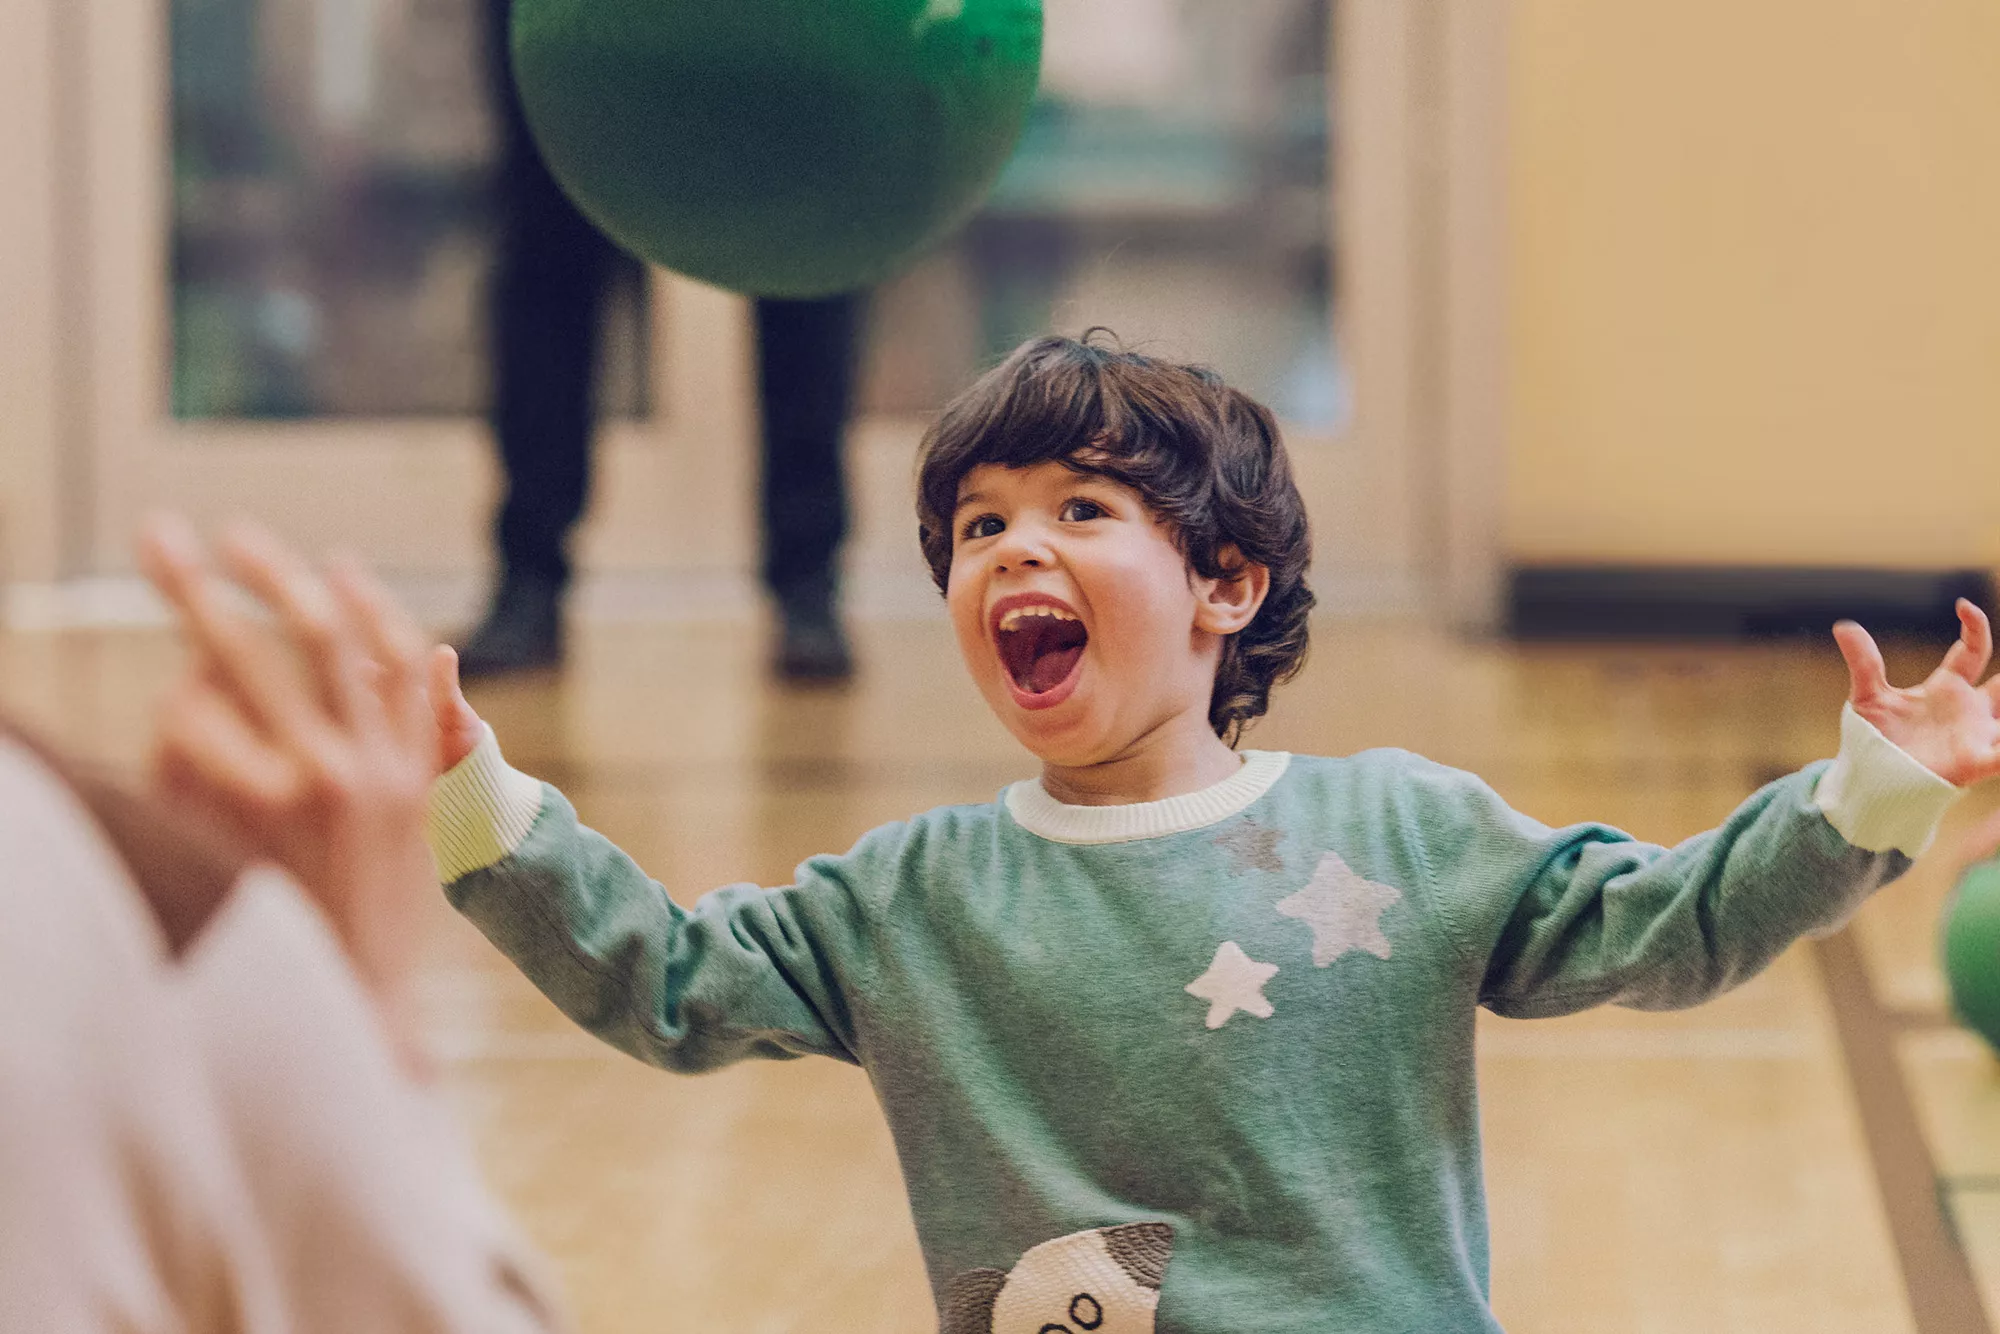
point(1177, 1037)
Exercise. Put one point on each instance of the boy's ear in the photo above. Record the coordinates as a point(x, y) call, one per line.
point(1224, 606)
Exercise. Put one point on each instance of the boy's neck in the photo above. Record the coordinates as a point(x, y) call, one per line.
point(1170, 761)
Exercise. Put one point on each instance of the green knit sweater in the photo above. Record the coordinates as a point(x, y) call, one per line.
point(1202, 1065)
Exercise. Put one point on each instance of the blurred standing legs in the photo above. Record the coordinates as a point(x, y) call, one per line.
point(806, 353)
point(552, 277)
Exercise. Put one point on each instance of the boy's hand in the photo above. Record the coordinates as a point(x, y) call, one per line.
point(459, 728)
point(1950, 723)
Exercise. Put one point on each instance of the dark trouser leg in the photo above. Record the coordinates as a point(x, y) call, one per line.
point(807, 353)
point(551, 276)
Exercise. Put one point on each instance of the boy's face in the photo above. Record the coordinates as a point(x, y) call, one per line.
point(1075, 612)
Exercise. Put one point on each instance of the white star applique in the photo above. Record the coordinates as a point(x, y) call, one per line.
point(1343, 909)
point(1235, 981)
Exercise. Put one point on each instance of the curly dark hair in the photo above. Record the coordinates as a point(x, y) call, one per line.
point(1206, 458)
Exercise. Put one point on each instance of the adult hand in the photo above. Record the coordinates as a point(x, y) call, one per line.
point(316, 759)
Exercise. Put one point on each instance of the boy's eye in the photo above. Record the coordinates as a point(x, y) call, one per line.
point(986, 525)
point(1077, 509)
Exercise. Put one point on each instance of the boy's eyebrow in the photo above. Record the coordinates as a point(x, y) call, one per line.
point(1083, 475)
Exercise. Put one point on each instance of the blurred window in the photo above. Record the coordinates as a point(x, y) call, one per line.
point(1173, 184)
point(331, 209)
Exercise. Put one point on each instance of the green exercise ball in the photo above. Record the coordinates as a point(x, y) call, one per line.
point(1972, 950)
point(778, 147)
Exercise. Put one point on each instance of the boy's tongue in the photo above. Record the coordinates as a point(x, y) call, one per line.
point(1041, 651)
point(1051, 668)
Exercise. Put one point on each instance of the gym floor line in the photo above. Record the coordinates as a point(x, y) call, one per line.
point(1937, 1277)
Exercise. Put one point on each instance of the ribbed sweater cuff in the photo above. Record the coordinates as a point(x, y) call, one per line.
point(480, 811)
point(1877, 795)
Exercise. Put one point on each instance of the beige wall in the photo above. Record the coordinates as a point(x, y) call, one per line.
point(30, 323)
point(1755, 277)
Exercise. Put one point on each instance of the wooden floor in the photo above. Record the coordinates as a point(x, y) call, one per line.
point(1706, 1171)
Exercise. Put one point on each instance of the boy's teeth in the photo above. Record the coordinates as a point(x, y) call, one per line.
point(1014, 615)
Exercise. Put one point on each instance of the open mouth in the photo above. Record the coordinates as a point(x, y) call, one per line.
point(1040, 645)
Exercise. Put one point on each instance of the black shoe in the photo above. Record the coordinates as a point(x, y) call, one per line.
point(522, 631)
point(812, 648)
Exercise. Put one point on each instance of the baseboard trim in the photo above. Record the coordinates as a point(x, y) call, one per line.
point(1735, 602)
point(692, 597)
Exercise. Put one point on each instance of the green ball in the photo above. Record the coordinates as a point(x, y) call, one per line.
point(778, 147)
point(1972, 950)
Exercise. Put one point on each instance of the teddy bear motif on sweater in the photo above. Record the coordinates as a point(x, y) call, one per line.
point(1104, 1281)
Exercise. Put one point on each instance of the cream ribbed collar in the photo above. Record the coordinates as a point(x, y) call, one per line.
point(1039, 813)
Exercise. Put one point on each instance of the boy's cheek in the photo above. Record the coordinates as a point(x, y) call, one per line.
point(971, 637)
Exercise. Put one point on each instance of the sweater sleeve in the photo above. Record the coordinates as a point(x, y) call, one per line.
point(746, 972)
point(1559, 920)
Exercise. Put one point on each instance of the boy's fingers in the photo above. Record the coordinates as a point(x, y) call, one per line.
point(440, 675)
point(311, 616)
point(447, 695)
point(1866, 674)
point(458, 725)
point(1969, 656)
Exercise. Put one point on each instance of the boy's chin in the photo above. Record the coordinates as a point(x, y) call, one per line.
point(1059, 736)
point(1045, 732)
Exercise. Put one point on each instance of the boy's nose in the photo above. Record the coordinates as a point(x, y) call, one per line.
point(1023, 549)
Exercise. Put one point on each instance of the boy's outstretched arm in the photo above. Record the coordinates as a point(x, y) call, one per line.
point(1561, 920)
point(745, 972)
